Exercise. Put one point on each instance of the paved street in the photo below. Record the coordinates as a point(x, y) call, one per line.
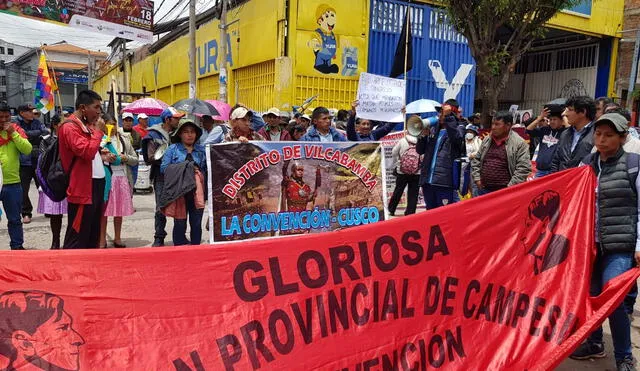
point(137, 230)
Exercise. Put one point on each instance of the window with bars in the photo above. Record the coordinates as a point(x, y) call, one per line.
point(3, 80)
point(389, 17)
point(441, 29)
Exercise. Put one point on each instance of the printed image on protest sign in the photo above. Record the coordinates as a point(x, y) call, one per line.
point(267, 189)
point(381, 98)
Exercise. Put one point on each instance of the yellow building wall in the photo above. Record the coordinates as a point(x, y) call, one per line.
point(606, 19)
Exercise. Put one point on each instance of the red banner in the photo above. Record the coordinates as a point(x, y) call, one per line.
point(490, 283)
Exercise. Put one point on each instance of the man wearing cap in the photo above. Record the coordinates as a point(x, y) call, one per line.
point(159, 137)
point(143, 125)
point(35, 130)
point(127, 127)
point(443, 144)
point(547, 128)
point(322, 131)
point(241, 130)
point(577, 141)
point(617, 214)
point(272, 131)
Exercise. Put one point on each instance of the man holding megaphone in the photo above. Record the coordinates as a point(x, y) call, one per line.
point(441, 144)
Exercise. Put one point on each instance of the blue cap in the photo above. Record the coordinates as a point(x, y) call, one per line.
point(170, 112)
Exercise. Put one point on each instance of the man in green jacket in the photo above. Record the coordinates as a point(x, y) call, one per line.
point(13, 142)
point(503, 159)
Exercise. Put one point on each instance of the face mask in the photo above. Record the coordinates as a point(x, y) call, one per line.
point(469, 136)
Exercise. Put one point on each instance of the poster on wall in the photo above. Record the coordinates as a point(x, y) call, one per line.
point(330, 38)
point(127, 19)
point(269, 189)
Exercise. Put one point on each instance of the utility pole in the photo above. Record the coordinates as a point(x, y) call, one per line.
point(90, 71)
point(192, 49)
point(633, 76)
point(223, 53)
point(125, 75)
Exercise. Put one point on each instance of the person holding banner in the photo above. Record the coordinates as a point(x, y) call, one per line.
point(441, 146)
point(190, 203)
point(359, 130)
point(322, 131)
point(617, 214)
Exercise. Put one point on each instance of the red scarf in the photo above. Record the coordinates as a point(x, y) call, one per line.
point(17, 128)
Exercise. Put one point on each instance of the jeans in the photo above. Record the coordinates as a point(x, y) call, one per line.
point(26, 174)
point(606, 268)
point(134, 173)
point(436, 196)
point(541, 173)
point(402, 180)
point(160, 222)
point(195, 223)
point(483, 191)
point(11, 197)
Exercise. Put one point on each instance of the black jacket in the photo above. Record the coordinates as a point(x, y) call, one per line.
point(179, 179)
point(564, 158)
point(449, 149)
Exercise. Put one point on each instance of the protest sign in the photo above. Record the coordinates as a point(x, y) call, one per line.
point(381, 98)
point(267, 189)
point(440, 289)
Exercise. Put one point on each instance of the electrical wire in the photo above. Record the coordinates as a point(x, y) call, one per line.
point(177, 4)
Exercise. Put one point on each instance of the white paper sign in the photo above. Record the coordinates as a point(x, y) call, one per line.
point(381, 98)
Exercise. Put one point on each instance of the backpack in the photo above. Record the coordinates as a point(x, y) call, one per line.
point(633, 166)
point(53, 180)
point(410, 161)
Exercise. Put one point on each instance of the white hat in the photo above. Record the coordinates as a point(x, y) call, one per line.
point(143, 116)
point(239, 113)
point(305, 116)
point(127, 115)
point(272, 111)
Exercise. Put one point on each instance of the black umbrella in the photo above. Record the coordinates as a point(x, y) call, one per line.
point(196, 107)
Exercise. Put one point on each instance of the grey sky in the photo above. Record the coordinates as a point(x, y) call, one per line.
point(28, 32)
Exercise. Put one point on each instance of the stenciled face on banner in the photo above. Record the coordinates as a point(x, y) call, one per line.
point(538, 235)
point(278, 189)
point(36, 332)
point(330, 38)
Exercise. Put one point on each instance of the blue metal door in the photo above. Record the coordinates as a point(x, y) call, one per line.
point(442, 63)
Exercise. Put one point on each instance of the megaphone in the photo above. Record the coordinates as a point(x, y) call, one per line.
point(415, 125)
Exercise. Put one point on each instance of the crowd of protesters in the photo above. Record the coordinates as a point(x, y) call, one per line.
point(101, 160)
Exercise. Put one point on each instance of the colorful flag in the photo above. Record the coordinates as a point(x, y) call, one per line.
point(43, 95)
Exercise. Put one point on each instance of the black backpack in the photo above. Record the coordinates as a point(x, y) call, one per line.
point(54, 181)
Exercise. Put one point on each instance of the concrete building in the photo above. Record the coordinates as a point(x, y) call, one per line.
point(625, 54)
point(68, 62)
point(8, 53)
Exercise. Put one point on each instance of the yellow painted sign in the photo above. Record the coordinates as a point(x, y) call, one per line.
point(331, 38)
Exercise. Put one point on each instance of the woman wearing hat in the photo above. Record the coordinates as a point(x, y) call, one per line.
point(191, 205)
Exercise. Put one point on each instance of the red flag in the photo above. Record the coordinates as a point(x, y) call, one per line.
point(490, 283)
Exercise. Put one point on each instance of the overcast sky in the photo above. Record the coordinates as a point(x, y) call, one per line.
point(28, 32)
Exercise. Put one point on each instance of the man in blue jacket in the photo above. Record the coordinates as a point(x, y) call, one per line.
point(322, 131)
point(441, 145)
point(35, 130)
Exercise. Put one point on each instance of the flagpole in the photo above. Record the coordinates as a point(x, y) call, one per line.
point(406, 57)
point(55, 79)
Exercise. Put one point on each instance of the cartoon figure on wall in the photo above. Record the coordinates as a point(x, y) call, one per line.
point(326, 45)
